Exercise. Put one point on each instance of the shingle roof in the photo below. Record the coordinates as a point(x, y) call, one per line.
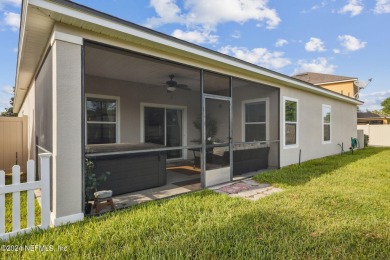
point(317, 78)
point(367, 115)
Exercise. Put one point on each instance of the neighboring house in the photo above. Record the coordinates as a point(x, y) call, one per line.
point(131, 99)
point(340, 84)
point(369, 118)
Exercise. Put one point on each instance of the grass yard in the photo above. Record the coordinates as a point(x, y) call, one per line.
point(332, 208)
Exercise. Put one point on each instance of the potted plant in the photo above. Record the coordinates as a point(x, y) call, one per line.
point(92, 180)
point(211, 128)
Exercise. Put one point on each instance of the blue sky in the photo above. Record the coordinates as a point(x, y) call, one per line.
point(347, 37)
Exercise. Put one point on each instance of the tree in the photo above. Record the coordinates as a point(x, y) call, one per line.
point(9, 110)
point(386, 106)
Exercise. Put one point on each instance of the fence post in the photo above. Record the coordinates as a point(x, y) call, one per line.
point(2, 203)
point(45, 196)
point(30, 195)
point(16, 199)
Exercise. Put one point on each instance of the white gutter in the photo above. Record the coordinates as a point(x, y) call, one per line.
point(332, 82)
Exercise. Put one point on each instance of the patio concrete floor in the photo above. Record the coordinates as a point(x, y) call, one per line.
point(177, 184)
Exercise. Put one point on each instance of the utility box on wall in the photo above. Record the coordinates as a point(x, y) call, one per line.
point(360, 137)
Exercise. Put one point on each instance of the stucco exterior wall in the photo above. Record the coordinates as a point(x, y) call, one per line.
point(28, 109)
point(67, 139)
point(343, 127)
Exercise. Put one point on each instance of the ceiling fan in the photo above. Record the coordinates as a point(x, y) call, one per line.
point(172, 85)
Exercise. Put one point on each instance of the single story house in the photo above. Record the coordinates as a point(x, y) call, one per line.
point(369, 118)
point(131, 100)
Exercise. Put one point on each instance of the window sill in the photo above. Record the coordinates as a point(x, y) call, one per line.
point(290, 146)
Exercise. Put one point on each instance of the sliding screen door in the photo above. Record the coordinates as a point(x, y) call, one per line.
point(217, 140)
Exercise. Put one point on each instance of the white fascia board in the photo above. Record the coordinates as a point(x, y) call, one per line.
point(22, 30)
point(332, 82)
point(183, 46)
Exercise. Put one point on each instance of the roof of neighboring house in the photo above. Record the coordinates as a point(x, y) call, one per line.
point(319, 78)
point(368, 115)
point(39, 17)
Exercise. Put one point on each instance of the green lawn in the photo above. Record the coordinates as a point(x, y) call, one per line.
point(332, 208)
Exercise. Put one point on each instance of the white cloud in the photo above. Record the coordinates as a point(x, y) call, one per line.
point(355, 7)
point(236, 35)
point(281, 42)
point(195, 36)
point(381, 94)
point(336, 51)
point(4, 103)
point(382, 7)
point(8, 90)
point(373, 100)
point(258, 56)
point(351, 43)
point(168, 12)
point(208, 14)
point(316, 7)
point(15, 3)
point(315, 44)
point(5, 95)
point(319, 65)
point(12, 20)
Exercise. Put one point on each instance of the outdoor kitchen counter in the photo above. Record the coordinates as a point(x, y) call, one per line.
point(111, 148)
point(128, 172)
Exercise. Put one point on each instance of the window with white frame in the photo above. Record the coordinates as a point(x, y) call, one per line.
point(255, 120)
point(326, 123)
point(164, 125)
point(290, 122)
point(102, 119)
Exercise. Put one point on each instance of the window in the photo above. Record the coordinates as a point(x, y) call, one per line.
point(255, 120)
point(290, 122)
point(326, 124)
point(164, 126)
point(102, 119)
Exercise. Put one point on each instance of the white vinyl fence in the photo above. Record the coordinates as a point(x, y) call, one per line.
point(379, 134)
point(16, 187)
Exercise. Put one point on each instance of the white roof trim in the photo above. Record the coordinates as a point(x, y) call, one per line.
point(338, 81)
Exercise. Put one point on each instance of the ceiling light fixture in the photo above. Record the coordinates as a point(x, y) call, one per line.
point(171, 89)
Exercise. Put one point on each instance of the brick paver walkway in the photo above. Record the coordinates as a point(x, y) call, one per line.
point(248, 189)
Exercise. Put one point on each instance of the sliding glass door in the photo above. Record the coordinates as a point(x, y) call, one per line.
point(164, 126)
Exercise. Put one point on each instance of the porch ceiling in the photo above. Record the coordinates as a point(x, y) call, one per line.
point(113, 64)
